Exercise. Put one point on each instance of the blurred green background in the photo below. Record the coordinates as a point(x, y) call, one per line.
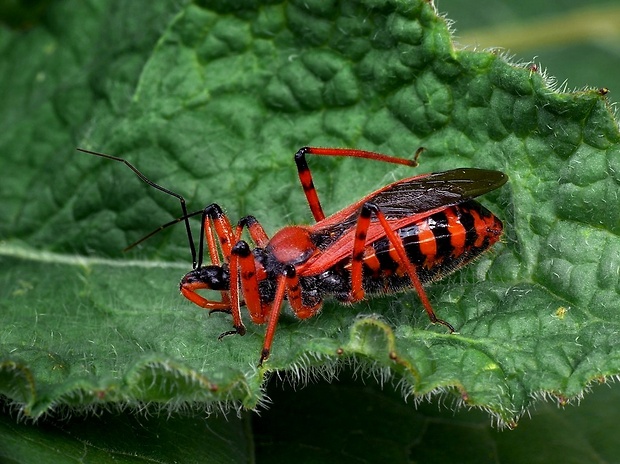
point(576, 42)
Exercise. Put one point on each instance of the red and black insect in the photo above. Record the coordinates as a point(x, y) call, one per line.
point(404, 235)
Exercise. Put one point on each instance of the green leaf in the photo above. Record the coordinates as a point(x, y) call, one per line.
point(212, 101)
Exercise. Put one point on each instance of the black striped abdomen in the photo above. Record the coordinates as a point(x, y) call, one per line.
point(437, 245)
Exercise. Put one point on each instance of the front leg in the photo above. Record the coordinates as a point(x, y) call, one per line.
point(210, 278)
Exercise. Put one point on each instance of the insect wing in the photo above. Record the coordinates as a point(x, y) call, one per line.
point(420, 195)
point(403, 202)
point(442, 189)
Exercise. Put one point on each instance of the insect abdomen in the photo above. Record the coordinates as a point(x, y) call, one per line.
point(437, 245)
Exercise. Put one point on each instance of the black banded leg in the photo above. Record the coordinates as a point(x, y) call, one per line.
point(256, 231)
point(214, 219)
point(305, 176)
point(293, 295)
point(358, 256)
point(243, 261)
point(359, 248)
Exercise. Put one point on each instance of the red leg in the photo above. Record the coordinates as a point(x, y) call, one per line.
point(235, 306)
point(357, 259)
point(211, 243)
point(293, 294)
point(305, 176)
point(243, 278)
point(189, 291)
point(254, 228)
point(213, 218)
point(273, 317)
point(357, 291)
point(287, 285)
point(216, 223)
point(243, 260)
point(246, 266)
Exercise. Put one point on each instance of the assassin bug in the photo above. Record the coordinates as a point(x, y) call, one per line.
point(406, 234)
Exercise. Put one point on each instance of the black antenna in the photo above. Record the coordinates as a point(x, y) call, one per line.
point(160, 228)
point(185, 216)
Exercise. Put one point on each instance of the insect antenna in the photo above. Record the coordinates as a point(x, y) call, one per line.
point(145, 179)
point(160, 228)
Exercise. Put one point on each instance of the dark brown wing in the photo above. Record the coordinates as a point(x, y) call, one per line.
point(419, 194)
point(414, 198)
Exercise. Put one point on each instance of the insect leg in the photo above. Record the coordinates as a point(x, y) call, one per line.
point(247, 266)
point(243, 278)
point(242, 265)
point(357, 259)
point(274, 314)
point(213, 218)
point(188, 289)
point(293, 294)
point(254, 228)
point(305, 176)
point(358, 255)
point(235, 304)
